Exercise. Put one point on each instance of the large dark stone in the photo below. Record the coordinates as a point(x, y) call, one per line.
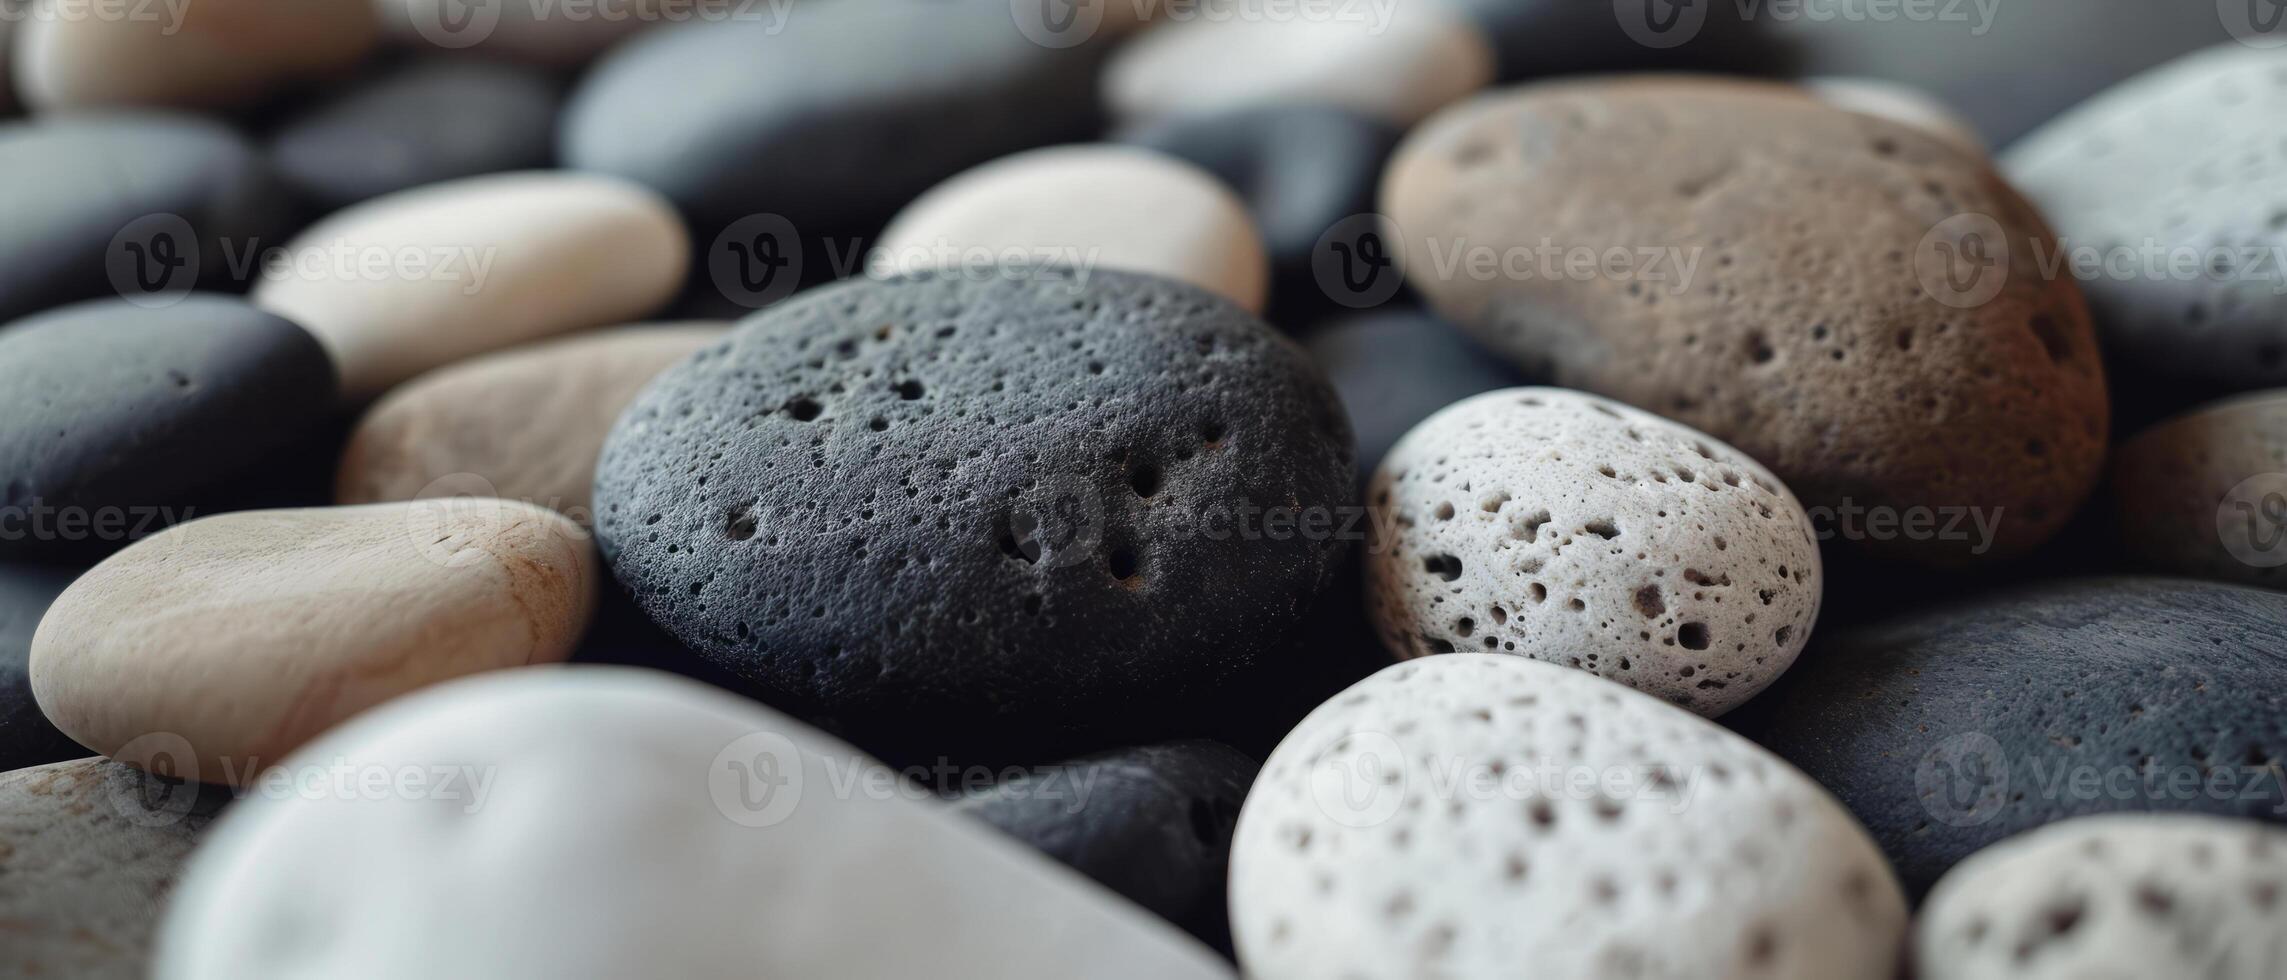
point(26, 738)
point(421, 123)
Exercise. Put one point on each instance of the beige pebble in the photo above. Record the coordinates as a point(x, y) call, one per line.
point(2194, 493)
point(184, 53)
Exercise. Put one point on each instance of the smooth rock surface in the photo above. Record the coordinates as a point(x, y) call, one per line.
point(1898, 103)
point(89, 850)
point(2190, 160)
point(26, 737)
point(554, 35)
point(1394, 368)
point(1582, 532)
point(422, 123)
point(8, 104)
point(688, 832)
point(525, 423)
point(1097, 206)
point(116, 418)
point(1950, 728)
point(2193, 495)
point(949, 510)
point(2113, 896)
point(211, 54)
point(1151, 823)
point(500, 260)
point(246, 634)
point(1850, 340)
point(1462, 815)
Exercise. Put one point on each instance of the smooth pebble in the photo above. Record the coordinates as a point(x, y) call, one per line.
point(211, 54)
point(2193, 495)
point(426, 122)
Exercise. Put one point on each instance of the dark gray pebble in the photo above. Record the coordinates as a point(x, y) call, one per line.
point(26, 738)
point(420, 123)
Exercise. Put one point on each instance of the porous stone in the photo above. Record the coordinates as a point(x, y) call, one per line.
point(2188, 161)
point(239, 637)
point(203, 55)
point(422, 123)
point(116, 418)
point(497, 261)
point(553, 35)
point(89, 850)
point(1801, 281)
point(524, 424)
point(1151, 823)
point(1097, 206)
point(1949, 728)
point(26, 737)
point(1394, 368)
point(1461, 815)
point(1579, 531)
point(947, 509)
point(2112, 896)
point(1898, 103)
point(2191, 494)
point(706, 830)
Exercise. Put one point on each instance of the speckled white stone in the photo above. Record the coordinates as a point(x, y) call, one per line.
point(1574, 529)
point(1900, 103)
point(1094, 206)
point(1480, 816)
point(186, 53)
point(636, 824)
point(2124, 895)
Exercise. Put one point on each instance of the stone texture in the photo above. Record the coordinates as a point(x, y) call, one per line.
point(207, 54)
point(1476, 815)
point(1791, 284)
point(554, 35)
point(1898, 103)
point(1090, 207)
point(637, 825)
point(503, 259)
point(26, 737)
point(425, 122)
point(247, 634)
point(2179, 488)
point(1394, 368)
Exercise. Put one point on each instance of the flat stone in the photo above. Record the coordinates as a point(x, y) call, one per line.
point(297, 619)
point(1394, 368)
point(211, 54)
point(2193, 494)
point(422, 123)
point(26, 737)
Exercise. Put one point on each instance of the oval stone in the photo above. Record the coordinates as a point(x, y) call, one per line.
point(116, 419)
point(26, 737)
point(1898, 103)
point(2112, 896)
point(1853, 342)
point(945, 510)
point(1950, 728)
point(2194, 493)
point(244, 635)
point(523, 424)
point(557, 35)
point(1463, 815)
point(1089, 207)
point(709, 831)
point(423, 123)
point(208, 54)
point(422, 278)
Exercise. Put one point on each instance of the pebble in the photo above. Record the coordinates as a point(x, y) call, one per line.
point(1686, 852)
point(425, 122)
point(116, 418)
point(1832, 347)
point(833, 119)
point(107, 184)
point(947, 509)
point(8, 104)
point(419, 279)
point(1898, 103)
point(2185, 159)
point(706, 830)
point(239, 637)
point(555, 35)
point(2114, 896)
point(26, 737)
point(1097, 206)
point(1949, 728)
point(212, 54)
point(1396, 367)
point(1579, 531)
point(1151, 823)
point(89, 850)
point(524, 424)
point(2193, 494)
point(1398, 62)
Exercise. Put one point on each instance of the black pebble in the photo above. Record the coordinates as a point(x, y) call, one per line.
point(935, 514)
point(26, 738)
point(1394, 368)
point(422, 123)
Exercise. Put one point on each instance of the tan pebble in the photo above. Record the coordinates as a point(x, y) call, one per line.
point(191, 54)
point(2194, 493)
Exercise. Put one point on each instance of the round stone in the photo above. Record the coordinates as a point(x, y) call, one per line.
point(2113, 896)
point(943, 509)
point(713, 835)
point(1463, 815)
point(209, 54)
point(523, 424)
point(117, 419)
point(1950, 728)
point(2205, 494)
point(1898, 103)
point(1575, 530)
point(26, 737)
point(422, 278)
point(556, 35)
point(423, 123)
point(298, 619)
point(1886, 343)
point(1394, 368)
point(1089, 207)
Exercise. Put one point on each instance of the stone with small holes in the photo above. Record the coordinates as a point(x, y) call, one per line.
point(941, 508)
point(2115, 896)
point(1947, 729)
point(1459, 816)
point(1576, 530)
point(2195, 495)
point(1848, 299)
point(425, 122)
